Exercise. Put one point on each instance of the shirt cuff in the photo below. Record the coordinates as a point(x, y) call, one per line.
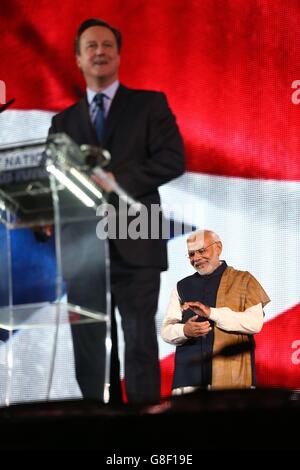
point(214, 314)
point(178, 336)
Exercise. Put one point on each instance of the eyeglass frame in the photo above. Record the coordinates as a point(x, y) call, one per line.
point(200, 251)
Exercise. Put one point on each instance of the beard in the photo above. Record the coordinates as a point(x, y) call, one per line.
point(206, 267)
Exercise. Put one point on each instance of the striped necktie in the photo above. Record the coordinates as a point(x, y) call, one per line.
point(100, 116)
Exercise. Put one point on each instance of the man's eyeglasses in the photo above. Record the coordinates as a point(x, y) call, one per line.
point(201, 251)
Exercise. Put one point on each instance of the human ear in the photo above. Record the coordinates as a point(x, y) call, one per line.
point(219, 248)
point(78, 61)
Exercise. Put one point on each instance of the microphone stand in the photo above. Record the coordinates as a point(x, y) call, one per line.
point(6, 105)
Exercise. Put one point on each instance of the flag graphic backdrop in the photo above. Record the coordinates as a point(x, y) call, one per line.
point(227, 68)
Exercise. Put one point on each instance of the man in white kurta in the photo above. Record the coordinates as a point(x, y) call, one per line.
point(216, 307)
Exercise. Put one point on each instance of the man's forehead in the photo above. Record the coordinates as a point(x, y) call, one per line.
point(97, 31)
point(196, 240)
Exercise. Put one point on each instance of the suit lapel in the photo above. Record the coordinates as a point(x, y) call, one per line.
point(117, 109)
point(85, 132)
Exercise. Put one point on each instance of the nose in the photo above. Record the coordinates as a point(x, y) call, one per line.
point(99, 49)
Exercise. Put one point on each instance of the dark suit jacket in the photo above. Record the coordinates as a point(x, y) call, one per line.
point(146, 151)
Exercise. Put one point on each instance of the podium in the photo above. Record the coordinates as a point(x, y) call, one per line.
point(54, 275)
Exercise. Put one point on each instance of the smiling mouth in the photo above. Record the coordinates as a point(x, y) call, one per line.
point(200, 265)
point(100, 62)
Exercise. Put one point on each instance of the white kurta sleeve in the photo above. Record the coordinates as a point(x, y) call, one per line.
point(172, 329)
point(250, 321)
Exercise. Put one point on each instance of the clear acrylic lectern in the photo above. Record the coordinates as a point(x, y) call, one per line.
point(54, 274)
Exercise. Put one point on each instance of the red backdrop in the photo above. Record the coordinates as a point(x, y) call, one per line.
point(226, 65)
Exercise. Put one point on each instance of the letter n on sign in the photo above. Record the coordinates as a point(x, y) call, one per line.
point(2, 92)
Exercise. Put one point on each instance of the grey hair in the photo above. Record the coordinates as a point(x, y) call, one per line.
point(213, 235)
point(201, 233)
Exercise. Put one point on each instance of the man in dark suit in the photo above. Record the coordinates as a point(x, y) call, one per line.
point(140, 132)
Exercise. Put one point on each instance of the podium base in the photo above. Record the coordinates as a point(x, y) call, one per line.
point(37, 350)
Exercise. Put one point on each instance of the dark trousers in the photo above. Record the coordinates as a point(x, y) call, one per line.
point(135, 292)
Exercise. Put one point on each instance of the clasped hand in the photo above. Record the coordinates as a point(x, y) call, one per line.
point(192, 328)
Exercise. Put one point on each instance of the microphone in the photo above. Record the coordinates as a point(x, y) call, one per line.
point(235, 349)
point(227, 351)
point(6, 105)
point(63, 152)
point(95, 156)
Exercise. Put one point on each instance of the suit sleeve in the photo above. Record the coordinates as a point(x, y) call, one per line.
point(164, 148)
